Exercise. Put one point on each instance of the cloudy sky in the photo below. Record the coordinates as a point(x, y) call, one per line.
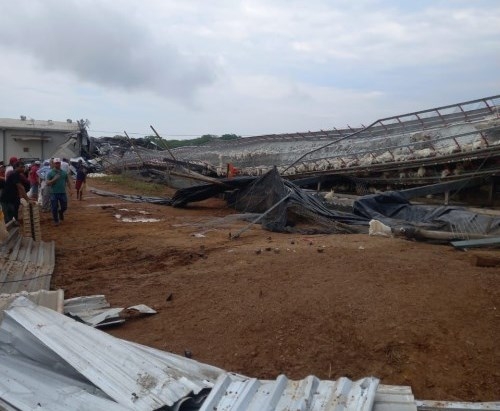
point(193, 67)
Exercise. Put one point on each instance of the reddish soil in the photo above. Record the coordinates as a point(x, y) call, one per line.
point(408, 313)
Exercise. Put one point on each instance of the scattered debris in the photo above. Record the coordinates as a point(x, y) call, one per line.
point(95, 311)
point(378, 228)
point(198, 235)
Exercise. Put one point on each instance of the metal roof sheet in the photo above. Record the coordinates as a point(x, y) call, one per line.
point(139, 378)
point(457, 406)
point(94, 310)
point(38, 125)
point(50, 299)
point(25, 265)
point(394, 398)
point(282, 394)
point(29, 385)
point(50, 362)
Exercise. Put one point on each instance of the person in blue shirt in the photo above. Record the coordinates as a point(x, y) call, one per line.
point(58, 181)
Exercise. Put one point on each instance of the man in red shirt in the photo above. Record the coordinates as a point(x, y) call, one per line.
point(33, 179)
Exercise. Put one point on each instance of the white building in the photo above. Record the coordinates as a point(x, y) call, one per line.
point(28, 139)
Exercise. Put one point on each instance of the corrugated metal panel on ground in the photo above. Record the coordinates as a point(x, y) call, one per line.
point(133, 377)
point(394, 398)
point(28, 385)
point(94, 310)
point(50, 362)
point(233, 394)
point(50, 299)
point(457, 406)
point(25, 265)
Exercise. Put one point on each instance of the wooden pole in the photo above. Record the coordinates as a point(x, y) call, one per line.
point(133, 148)
point(157, 135)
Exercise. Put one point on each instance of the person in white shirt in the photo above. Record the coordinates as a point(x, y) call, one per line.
point(65, 166)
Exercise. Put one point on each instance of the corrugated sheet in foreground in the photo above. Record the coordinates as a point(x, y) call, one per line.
point(230, 394)
point(30, 385)
point(457, 406)
point(137, 378)
point(25, 265)
point(50, 299)
point(50, 362)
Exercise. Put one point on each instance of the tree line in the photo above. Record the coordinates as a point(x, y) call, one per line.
point(158, 143)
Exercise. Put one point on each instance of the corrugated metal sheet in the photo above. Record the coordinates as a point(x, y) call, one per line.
point(50, 299)
point(94, 310)
point(50, 362)
point(25, 265)
point(457, 406)
point(394, 398)
point(141, 379)
point(28, 385)
point(230, 394)
point(86, 303)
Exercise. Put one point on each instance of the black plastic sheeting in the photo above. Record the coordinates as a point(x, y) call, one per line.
point(261, 194)
point(393, 209)
point(258, 195)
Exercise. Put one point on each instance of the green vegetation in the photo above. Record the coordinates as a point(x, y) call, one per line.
point(153, 142)
point(132, 185)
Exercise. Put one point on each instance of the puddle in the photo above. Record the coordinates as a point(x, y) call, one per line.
point(136, 219)
point(135, 211)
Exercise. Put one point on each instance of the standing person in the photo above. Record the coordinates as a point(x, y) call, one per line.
point(10, 167)
point(65, 166)
point(2, 176)
point(81, 178)
point(58, 180)
point(12, 193)
point(33, 179)
point(44, 197)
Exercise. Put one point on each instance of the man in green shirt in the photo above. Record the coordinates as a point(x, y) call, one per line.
point(58, 180)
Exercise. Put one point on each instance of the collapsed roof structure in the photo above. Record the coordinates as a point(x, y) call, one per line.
point(419, 148)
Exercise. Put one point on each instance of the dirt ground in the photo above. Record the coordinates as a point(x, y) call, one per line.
point(267, 304)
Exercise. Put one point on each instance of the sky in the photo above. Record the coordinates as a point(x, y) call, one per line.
point(193, 67)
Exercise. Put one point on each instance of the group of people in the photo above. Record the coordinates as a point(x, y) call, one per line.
point(47, 184)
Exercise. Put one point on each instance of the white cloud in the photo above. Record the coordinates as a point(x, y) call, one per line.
point(245, 67)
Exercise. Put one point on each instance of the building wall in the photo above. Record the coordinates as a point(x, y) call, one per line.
point(30, 143)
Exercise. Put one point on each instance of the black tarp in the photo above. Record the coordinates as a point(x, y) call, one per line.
point(392, 208)
point(305, 212)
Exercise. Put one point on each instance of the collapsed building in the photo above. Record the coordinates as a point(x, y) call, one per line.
point(439, 144)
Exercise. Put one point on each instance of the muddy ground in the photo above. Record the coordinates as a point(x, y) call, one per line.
point(266, 304)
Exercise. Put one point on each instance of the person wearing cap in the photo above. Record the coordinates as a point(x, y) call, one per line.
point(10, 167)
point(58, 181)
point(12, 193)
